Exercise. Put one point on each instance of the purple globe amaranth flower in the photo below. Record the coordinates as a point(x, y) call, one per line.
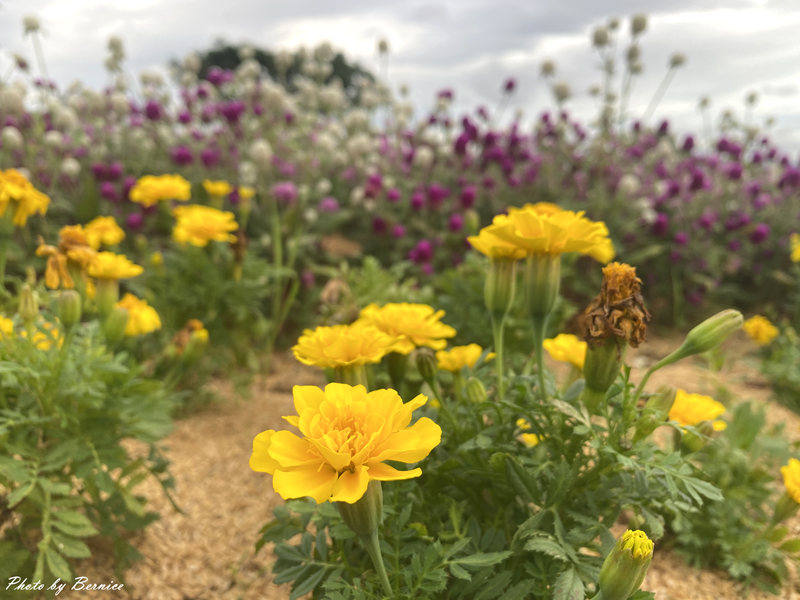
point(737, 220)
point(762, 201)
point(760, 233)
point(417, 200)
point(675, 256)
point(328, 204)
point(393, 195)
point(181, 155)
point(210, 157)
point(100, 171)
point(445, 94)
point(232, 110)
point(114, 171)
point(437, 194)
point(510, 85)
point(109, 191)
point(134, 221)
point(288, 117)
point(217, 76)
point(234, 197)
point(660, 224)
point(707, 220)
point(398, 231)
point(467, 196)
point(422, 252)
point(688, 143)
point(153, 110)
point(681, 238)
point(285, 192)
point(456, 222)
point(307, 277)
point(734, 245)
point(427, 268)
point(734, 171)
point(460, 145)
point(663, 127)
point(185, 117)
point(379, 225)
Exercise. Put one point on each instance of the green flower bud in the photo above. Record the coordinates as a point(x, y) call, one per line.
point(475, 391)
point(28, 305)
point(706, 336)
point(625, 566)
point(365, 515)
point(69, 308)
point(426, 365)
point(472, 221)
point(500, 285)
point(115, 323)
point(654, 413)
point(542, 283)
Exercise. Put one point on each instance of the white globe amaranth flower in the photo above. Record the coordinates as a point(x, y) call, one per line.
point(54, 139)
point(12, 138)
point(357, 195)
point(638, 24)
point(561, 91)
point(324, 52)
point(325, 142)
point(548, 68)
point(383, 46)
point(423, 157)
point(11, 101)
point(249, 69)
point(323, 187)
point(332, 96)
point(25, 172)
point(31, 24)
point(628, 184)
point(248, 174)
point(600, 37)
point(70, 167)
point(261, 154)
point(678, 59)
point(356, 119)
point(247, 52)
point(192, 62)
point(119, 103)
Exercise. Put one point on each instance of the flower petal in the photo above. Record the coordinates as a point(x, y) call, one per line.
point(306, 397)
point(290, 451)
point(411, 444)
point(384, 472)
point(315, 481)
point(260, 459)
point(351, 485)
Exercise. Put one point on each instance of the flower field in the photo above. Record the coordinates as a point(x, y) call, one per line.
point(267, 331)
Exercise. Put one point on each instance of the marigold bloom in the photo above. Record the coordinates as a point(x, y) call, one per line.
point(218, 188)
point(488, 244)
point(44, 335)
point(198, 225)
point(342, 346)
point(546, 229)
point(458, 357)
point(348, 433)
point(412, 324)
point(529, 439)
point(246, 192)
point(566, 347)
point(6, 327)
point(692, 409)
point(19, 194)
point(619, 310)
point(142, 318)
point(794, 243)
point(73, 251)
point(791, 478)
point(103, 231)
point(760, 330)
point(107, 265)
point(152, 189)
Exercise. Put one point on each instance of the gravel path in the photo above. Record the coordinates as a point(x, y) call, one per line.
point(207, 552)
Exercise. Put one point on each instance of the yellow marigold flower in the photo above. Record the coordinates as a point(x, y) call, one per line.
point(691, 409)
point(217, 188)
point(791, 478)
point(107, 265)
point(488, 244)
point(794, 242)
point(546, 229)
point(19, 194)
point(44, 335)
point(412, 324)
point(246, 192)
point(458, 357)
point(529, 439)
point(347, 434)
point(73, 251)
point(6, 327)
point(152, 189)
point(103, 231)
point(566, 347)
point(198, 225)
point(343, 346)
point(760, 330)
point(142, 318)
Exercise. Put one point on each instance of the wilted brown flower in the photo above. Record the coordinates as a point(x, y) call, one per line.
point(619, 310)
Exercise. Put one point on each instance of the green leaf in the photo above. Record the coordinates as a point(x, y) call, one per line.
point(57, 565)
point(568, 586)
point(546, 545)
point(20, 494)
point(304, 586)
point(73, 523)
point(458, 571)
point(69, 546)
point(790, 546)
point(483, 559)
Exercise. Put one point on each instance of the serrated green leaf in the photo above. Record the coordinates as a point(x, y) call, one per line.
point(546, 545)
point(568, 586)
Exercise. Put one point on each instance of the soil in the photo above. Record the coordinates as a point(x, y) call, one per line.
point(207, 552)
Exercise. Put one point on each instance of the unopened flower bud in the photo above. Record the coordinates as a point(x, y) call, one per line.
point(115, 324)
point(69, 308)
point(677, 60)
point(654, 413)
point(28, 305)
point(600, 370)
point(638, 24)
point(476, 393)
point(106, 295)
point(625, 566)
point(600, 37)
point(707, 335)
point(426, 365)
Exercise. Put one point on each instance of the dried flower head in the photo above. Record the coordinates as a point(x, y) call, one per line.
point(619, 310)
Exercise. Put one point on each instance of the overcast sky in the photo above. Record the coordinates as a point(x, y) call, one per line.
point(471, 46)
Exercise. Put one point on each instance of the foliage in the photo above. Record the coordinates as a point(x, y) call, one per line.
point(779, 364)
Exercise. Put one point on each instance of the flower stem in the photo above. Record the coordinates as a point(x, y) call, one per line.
point(373, 547)
point(498, 327)
point(539, 325)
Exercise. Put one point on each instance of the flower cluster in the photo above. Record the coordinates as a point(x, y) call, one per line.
point(20, 197)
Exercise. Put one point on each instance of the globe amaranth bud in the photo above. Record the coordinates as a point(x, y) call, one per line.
point(500, 285)
point(625, 566)
point(475, 391)
point(69, 308)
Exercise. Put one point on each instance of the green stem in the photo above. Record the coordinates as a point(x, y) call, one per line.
point(373, 547)
point(498, 327)
point(539, 326)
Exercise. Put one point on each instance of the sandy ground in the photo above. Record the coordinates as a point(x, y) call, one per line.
point(208, 553)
